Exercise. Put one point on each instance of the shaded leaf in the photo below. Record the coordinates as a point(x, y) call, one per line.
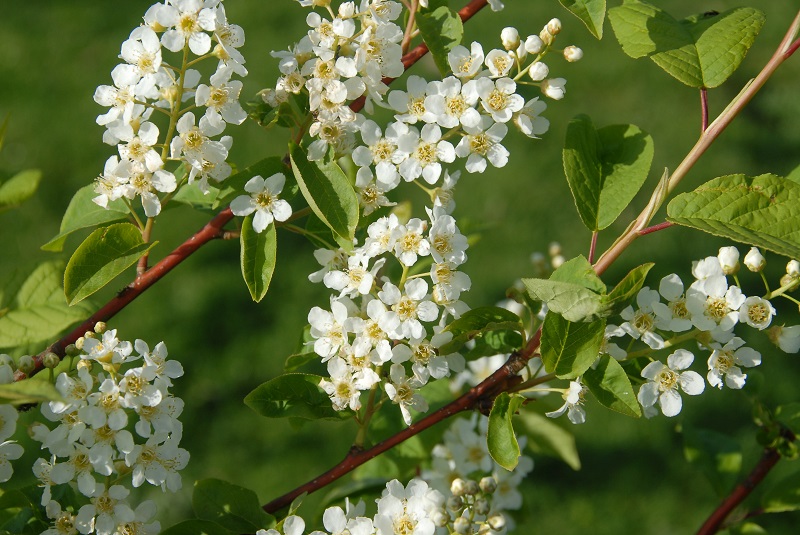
point(258, 257)
point(327, 191)
point(293, 395)
point(763, 211)
point(196, 527)
point(784, 496)
point(611, 386)
point(502, 443)
point(591, 12)
point(19, 188)
point(578, 270)
point(627, 288)
point(106, 253)
point(82, 213)
point(699, 51)
point(494, 343)
point(717, 455)
point(572, 301)
point(548, 438)
point(237, 508)
point(441, 29)
point(569, 348)
point(478, 321)
point(28, 391)
point(605, 168)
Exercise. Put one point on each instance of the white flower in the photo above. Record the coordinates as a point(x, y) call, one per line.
point(533, 45)
point(381, 235)
point(713, 305)
point(573, 399)
point(465, 63)
point(425, 150)
point(357, 279)
point(793, 269)
point(380, 151)
point(411, 105)
point(554, 88)
point(8, 421)
point(509, 36)
point(664, 382)
point(538, 71)
point(157, 462)
point(194, 141)
point(337, 523)
point(642, 323)
point(756, 312)
point(109, 350)
point(345, 386)
point(499, 62)
point(409, 308)
point(9, 450)
point(725, 362)
point(263, 200)
point(529, 119)
point(408, 509)
point(222, 97)
point(186, 20)
point(409, 242)
point(106, 510)
point(498, 98)
point(729, 259)
point(328, 328)
point(572, 53)
point(482, 143)
point(402, 391)
point(674, 316)
point(787, 338)
point(754, 260)
point(143, 183)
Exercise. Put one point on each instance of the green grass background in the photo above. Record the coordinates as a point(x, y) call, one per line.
point(53, 54)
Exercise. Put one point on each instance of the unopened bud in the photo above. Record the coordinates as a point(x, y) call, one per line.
point(488, 485)
point(533, 44)
point(754, 260)
point(72, 351)
point(347, 10)
point(729, 259)
point(554, 248)
point(462, 525)
point(554, 27)
point(50, 360)
point(6, 360)
point(472, 488)
point(521, 53)
point(538, 71)
point(557, 261)
point(510, 38)
point(546, 37)
point(787, 280)
point(25, 364)
point(573, 53)
point(79, 343)
point(497, 522)
point(89, 334)
point(454, 503)
point(481, 506)
point(793, 269)
point(440, 519)
point(458, 487)
point(100, 327)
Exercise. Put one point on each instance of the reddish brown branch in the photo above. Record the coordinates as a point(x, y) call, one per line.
point(703, 109)
point(742, 491)
point(475, 398)
point(212, 230)
point(655, 228)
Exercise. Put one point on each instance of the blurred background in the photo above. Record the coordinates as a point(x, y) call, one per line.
point(53, 54)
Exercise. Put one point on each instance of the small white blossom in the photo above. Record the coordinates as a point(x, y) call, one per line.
point(664, 381)
point(726, 361)
point(756, 312)
point(754, 260)
point(573, 399)
point(263, 200)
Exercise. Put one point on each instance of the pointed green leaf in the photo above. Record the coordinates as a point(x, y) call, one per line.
point(627, 288)
point(784, 496)
point(605, 168)
point(699, 51)
point(39, 312)
point(503, 445)
point(763, 211)
point(548, 438)
point(233, 186)
point(106, 253)
point(717, 455)
point(591, 12)
point(258, 257)
point(579, 271)
point(609, 383)
point(293, 395)
point(441, 29)
point(19, 188)
point(237, 508)
point(191, 195)
point(196, 527)
point(82, 212)
point(477, 321)
point(794, 175)
point(328, 192)
point(572, 301)
point(568, 349)
point(29, 391)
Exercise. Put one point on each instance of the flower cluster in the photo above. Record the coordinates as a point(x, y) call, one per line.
point(146, 84)
point(91, 440)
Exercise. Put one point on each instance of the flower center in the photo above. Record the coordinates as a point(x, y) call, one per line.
point(403, 525)
point(717, 308)
point(666, 380)
point(480, 143)
point(456, 105)
point(187, 24)
point(758, 313)
point(406, 308)
point(643, 322)
point(264, 200)
point(425, 153)
point(679, 309)
point(382, 151)
point(497, 100)
point(724, 362)
point(501, 63)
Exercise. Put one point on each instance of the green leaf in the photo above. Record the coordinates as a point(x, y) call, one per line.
point(578, 270)
point(258, 257)
point(441, 29)
point(39, 312)
point(568, 349)
point(328, 192)
point(82, 212)
point(745, 528)
point(605, 168)
point(784, 496)
point(297, 360)
point(503, 445)
point(609, 383)
point(479, 321)
point(293, 395)
point(495, 342)
point(191, 195)
point(572, 301)
point(763, 211)
point(591, 12)
point(717, 455)
point(788, 415)
point(627, 288)
point(19, 188)
point(794, 175)
point(548, 438)
point(28, 391)
point(699, 51)
point(237, 508)
point(233, 186)
point(102, 256)
point(3, 130)
point(196, 527)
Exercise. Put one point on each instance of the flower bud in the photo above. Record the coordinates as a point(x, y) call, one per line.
point(557, 261)
point(793, 269)
point(554, 248)
point(509, 36)
point(488, 484)
point(72, 351)
point(481, 506)
point(729, 259)
point(461, 525)
point(50, 360)
point(440, 519)
point(497, 521)
point(786, 338)
point(554, 88)
point(472, 488)
point(538, 71)
point(787, 279)
point(533, 44)
point(25, 364)
point(546, 37)
point(347, 10)
point(754, 260)
point(454, 503)
point(554, 27)
point(521, 53)
point(573, 53)
point(100, 327)
point(7, 360)
point(458, 487)
point(79, 343)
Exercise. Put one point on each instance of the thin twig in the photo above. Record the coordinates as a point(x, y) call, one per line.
point(656, 228)
point(703, 109)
